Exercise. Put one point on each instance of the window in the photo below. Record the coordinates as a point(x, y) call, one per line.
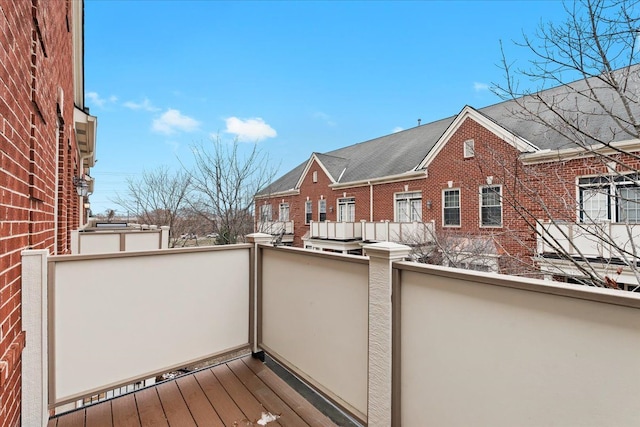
point(491, 206)
point(265, 213)
point(322, 210)
point(284, 212)
point(347, 209)
point(451, 208)
point(469, 148)
point(408, 207)
point(308, 211)
point(629, 204)
point(609, 198)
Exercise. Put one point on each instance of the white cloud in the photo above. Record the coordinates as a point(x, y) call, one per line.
point(397, 129)
point(249, 130)
point(478, 87)
point(96, 99)
point(173, 121)
point(144, 105)
point(319, 115)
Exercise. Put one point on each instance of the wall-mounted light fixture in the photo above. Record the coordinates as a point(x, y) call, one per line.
point(428, 204)
point(82, 186)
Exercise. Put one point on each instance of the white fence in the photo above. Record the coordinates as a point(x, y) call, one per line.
point(88, 242)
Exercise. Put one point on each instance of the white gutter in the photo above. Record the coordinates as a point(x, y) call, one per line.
point(545, 156)
point(405, 176)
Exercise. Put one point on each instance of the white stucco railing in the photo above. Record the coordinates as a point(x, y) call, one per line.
point(603, 239)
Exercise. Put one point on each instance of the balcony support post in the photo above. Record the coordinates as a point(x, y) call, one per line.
point(35, 373)
point(381, 258)
point(255, 280)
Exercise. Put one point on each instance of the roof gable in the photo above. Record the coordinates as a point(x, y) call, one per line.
point(468, 112)
point(315, 158)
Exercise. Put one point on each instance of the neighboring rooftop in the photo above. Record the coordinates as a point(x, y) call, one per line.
point(403, 151)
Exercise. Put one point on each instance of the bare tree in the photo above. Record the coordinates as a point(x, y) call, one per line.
point(226, 177)
point(159, 197)
point(596, 48)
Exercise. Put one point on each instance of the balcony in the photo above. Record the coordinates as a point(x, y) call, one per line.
point(383, 231)
point(281, 229)
point(390, 342)
point(605, 245)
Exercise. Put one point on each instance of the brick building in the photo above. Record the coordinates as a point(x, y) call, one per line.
point(47, 147)
point(492, 189)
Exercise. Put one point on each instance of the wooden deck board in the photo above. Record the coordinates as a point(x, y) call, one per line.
point(271, 401)
point(234, 394)
point(99, 415)
point(200, 407)
point(219, 398)
point(250, 406)
point(75, 419)
point(125, 411)
point(175, 408)
point(306, 410)
point(150, 409)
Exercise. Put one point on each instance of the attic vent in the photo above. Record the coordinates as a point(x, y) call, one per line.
point(315, 176)
point(469, 150)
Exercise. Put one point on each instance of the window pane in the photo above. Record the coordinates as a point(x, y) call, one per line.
point(595, 204)
point(491, 206)
point(629, 204)
point(451, 211)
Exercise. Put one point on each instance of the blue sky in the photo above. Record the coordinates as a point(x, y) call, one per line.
point(296, 77)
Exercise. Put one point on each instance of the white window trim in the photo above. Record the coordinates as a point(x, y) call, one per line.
point(307, 211)
point(480, 207)
point(280, 218)
point(613, 208)
point(320, 202)
point(469, 149)
point(395, 203)
point(347, 201)
point(459, 207)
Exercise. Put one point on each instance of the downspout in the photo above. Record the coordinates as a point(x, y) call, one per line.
point(370, 201)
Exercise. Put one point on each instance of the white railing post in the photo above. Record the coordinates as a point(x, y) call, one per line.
point(164, 237)
point(256, 239)
point(34, 322)
point(381, 257)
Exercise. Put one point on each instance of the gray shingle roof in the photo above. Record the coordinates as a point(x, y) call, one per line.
point(402, 151)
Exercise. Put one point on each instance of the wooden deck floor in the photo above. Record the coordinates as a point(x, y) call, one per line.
point(233, 394)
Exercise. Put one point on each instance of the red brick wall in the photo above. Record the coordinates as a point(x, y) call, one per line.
point(35, 69)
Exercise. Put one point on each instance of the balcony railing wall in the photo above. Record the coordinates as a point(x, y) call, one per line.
point(275, 227)
point(395, 343)
point(314, 318)
point(384, 231)
point(117, 319)
point(592, 240)
point(118, 240)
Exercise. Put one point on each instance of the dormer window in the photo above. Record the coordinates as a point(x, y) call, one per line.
point(469, 150)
